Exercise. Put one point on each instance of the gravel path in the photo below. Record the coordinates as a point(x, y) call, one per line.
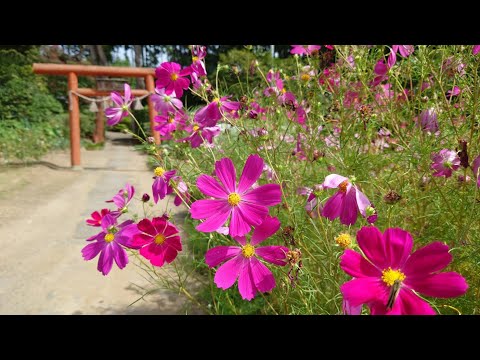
point(42, 230)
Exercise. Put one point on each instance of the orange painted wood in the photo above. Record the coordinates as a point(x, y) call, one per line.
point(95, 92)
point(99, 134)
point(150, 85)
point(74, 121)
point(91, 70)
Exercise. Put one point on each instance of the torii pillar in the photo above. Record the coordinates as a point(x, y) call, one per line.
point(72, 72)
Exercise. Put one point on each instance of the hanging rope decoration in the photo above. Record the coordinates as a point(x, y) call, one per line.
point(106, 100)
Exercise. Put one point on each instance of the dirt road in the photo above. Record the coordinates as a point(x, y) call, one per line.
point(42, 230)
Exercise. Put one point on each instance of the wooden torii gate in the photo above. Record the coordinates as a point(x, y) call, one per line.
point(73, 71)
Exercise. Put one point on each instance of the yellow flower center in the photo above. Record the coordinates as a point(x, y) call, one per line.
point(159, 171)
point(305, 77)
point(109, 237)
point(216, 99)
point(248, 251)
point(344, 240)
point(343, 186)
point(170, 120)
point(389, 276)
point(234, 199)
point(284, 91)
point(195, 128)
point(195, 58)
point(159, 239)
point(174, 77)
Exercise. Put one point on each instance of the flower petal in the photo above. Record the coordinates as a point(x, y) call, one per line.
point(105, 260)
point(227, 274)
point(262, 276)
point(370, 240)
point(273, 254)
point(265, 195)
point(120, 255)
point(251, 172)
point(351, 310)
point(362, 202)
point(362, 291)
point(443, 285)
point(238, 224)
point(333, 180)
point(428, 259)
point(246, 284)
point(253, 214)
point(147, 227)
point(349, 212)
point(92, 250)
point(207, 208)
point(267, 228)
point(407, 303)
point(354, 264)
point(219, 254)
point(210, 187)
point(216, 221)
point(398, 245)
point(225, 171)
point(333, 207)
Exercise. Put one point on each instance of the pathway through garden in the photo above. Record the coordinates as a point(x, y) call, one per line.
point(42, 230)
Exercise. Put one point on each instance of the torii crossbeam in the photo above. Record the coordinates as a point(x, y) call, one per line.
point(73, 71)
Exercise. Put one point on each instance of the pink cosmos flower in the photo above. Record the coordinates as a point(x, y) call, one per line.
point(109, 244)
point(116, 114)
point(475, 168)
point(244, 206)
point(475, 49)
point(166, 103)
point(96, 217)
point(313, 206)
point(346, 203)
point(199, 133)
point(386, 278)
point(445, 162)
point(171, 77)
point(198, 54)
point(211, 113)
point(381, 71)
point(305, 49)
point(243, 262)
point(182, 188)
point(161, 185)
point(404, 50)
point(170, 122)
point(454, 92)
point(158, 241)
point(428, 121)
point(122, 199)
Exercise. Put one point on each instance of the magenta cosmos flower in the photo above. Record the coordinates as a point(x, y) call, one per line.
point(109, 244)
point(161, 185)
point(347, 202)
point(313, 206)
point(445, 162)
point(170, 122)
point(304, 49)
point(428, 121)
point(243, 205)
point(171, 77)
point(200, 133)
point(158, 240)
point(164, 103)
point(243, 262)
point(403, 50)
point(475, 49)
point(116, 114)
point(387, 278)
point(199, 53)
point(96, 217)
point(122, 199)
